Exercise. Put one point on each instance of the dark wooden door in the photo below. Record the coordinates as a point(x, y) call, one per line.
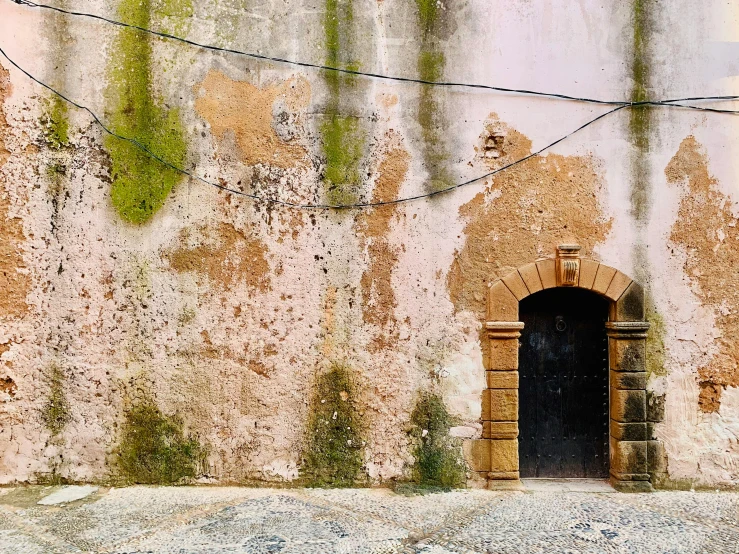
point(563, 406)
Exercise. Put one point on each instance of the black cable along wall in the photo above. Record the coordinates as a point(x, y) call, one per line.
point(619, 105)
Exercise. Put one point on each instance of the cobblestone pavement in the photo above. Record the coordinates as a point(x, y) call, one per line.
point(199, 520)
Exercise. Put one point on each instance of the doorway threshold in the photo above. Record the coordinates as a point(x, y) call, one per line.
point(567, 485)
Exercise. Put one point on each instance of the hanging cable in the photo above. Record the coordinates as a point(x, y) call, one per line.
point(677, 102)
point(257, 198)
point(619, 105)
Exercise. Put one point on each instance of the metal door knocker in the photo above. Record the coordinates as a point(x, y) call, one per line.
point(559, 323)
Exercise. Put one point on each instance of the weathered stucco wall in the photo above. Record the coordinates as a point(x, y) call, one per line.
point(154, 328)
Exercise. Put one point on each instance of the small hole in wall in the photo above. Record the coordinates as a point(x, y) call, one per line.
point(8, 386)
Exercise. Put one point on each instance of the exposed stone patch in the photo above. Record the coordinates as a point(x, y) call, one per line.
point(378, 295)
point(14, 281)
point(252, 358)
point(226, 255)
point(706, 228)
point(523, 213)
point(264, 122)
point(709, 397)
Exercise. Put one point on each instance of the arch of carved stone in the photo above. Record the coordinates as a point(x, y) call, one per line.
point(635, 456)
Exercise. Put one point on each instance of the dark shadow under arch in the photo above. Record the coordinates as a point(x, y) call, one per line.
point(563, 391)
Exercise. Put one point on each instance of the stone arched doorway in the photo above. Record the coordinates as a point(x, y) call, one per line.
point(496, 456)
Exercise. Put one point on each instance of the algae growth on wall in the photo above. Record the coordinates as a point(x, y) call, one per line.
point(430, 66)
point(334, 443)
point(438, 461)
point(342, 133)
point(141, 183)
point(154, 449)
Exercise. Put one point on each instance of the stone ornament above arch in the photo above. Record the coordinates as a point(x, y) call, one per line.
point(505, 293)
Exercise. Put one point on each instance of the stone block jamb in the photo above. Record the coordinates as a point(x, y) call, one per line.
point(495, 456)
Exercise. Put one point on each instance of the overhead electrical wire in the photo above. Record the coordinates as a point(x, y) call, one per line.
point(619, 105)
point(670, 103)
point(146, 150)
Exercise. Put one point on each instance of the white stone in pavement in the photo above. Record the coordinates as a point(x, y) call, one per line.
point(68, 494)
point(567, 485)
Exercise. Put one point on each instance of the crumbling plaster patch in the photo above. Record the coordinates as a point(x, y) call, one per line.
point(243, 339)
point(117, 311)
point(706, 228)
point(14, 279)
point(261, 120)
point(225, 255)
point(523, 213)
point(19, 453)
point(378, 295)
point(389, 391)
point(700, 445)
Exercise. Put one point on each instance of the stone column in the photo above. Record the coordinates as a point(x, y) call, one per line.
point(500, 401)
point(495, 456)
point(627, 341)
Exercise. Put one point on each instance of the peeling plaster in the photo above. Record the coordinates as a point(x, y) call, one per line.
point(523, 213)
point(265, 123)
point(706, 228)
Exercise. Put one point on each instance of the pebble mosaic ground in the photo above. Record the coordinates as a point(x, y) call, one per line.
point(198, 520)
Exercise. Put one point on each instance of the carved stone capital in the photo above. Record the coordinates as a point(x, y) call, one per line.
point(504, 329)
point(629, 330)
point(568, 265)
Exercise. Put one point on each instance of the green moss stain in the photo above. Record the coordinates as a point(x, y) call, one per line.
point(343, 137)
point(438, 456)
point(154, 449)
point(334, 445)
point(54, 119)
point(337, 12)
point(55, 413)
point(430, 67)
point(655, 343)
point(640, 124)
point(640, 118)
point(427, 12)
point(225, 18)
point(140, 183)
point(175, 14)
point(343, 144)
point(55, 123)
